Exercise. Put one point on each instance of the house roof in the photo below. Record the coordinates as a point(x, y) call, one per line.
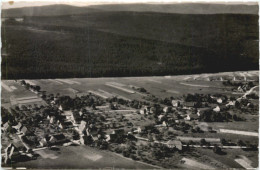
point(6, 125)
point(24, 129)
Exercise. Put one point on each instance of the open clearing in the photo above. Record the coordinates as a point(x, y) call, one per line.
point(86, 157)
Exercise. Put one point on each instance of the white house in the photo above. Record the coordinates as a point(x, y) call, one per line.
point(216, 109)
point(60, 108)
point(176, 103)
point(219, 100)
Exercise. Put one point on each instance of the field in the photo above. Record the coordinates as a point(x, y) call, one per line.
point(86, 157)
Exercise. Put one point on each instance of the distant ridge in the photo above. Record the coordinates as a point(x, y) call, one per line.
point(184, 8)
point(49, 10)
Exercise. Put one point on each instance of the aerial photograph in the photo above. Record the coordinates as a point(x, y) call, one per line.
point(159, 85)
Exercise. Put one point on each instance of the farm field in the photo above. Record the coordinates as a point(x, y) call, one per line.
point(86, 157)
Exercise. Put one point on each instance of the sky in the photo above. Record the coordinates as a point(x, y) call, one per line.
point(21, 3)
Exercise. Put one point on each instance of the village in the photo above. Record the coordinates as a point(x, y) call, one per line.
point(152, 130)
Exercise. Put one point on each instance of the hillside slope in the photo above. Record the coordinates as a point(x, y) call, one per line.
point(115, 43)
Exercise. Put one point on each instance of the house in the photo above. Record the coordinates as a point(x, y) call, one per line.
point(107, 138)
point(111, 137)
point(57, 139)
point(118, 131)
point(140, 129)
point(219, 100)
point(174, 144)
point(145, 110)
point(160, 117)
point(216, 109)
point(53, 102)
point(176, 103)
point(164, 124)
point(43, 142)
point(192, 117)
point(167, 109)
point(24, 130)
point(107, 125)
point(231, 103)
point(82, 127)
point(53, 119)
point(81, 113)
point(60, 108)
point(189, 104)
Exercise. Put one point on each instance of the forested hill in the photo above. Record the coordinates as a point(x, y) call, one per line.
point(179, 8)
point(103, 43)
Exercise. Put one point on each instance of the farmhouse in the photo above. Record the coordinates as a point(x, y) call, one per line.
point(176, 103)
